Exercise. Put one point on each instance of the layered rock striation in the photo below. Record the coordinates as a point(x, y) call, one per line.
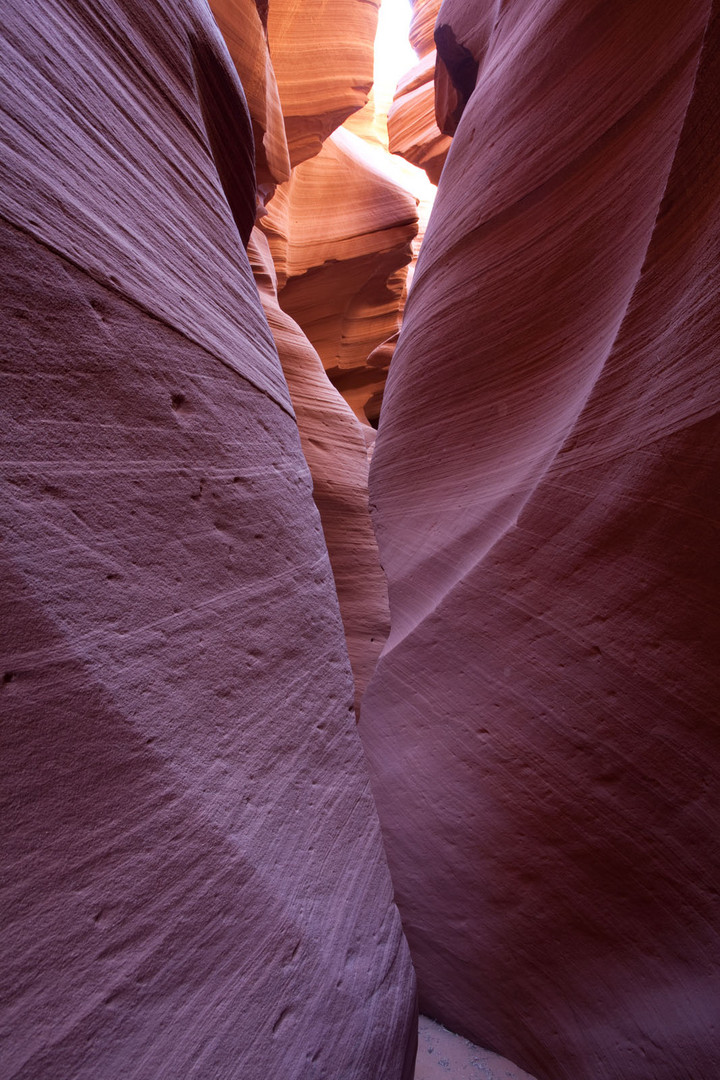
point(322, 56)
point(343, 279)
point(539, 726)
point(412, 125)
point(195, 884)
point(335, 449)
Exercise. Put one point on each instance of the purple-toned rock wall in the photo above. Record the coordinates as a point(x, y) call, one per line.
point(193, 878)
point(542, 724)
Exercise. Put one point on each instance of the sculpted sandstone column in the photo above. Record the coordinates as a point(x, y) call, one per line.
point(540, 725)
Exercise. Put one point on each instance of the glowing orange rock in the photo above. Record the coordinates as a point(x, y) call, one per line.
point(412, 126)
point(322, 54)
point(340, 233)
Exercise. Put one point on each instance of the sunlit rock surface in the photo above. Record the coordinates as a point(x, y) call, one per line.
point(541, 725)
point(340, 233)
point(412, 125)
point(195, 885)
point(336, 452)
point(422, 25)
point(322, 54)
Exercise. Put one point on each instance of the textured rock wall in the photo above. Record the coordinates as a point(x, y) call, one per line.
point(194, 884)
point(541, 725)
point(336, 209)
point(335, 449)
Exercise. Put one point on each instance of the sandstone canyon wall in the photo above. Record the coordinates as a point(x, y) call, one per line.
point(336, 452)
point(193, 878)
point(339, 237)
point(542, 725)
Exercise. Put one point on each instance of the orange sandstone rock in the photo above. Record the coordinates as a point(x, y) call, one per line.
point(341, 273)
point(422, 26)
point(412, 126)
point(322, 54)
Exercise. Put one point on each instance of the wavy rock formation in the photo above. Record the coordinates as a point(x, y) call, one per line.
point(341, 275)
point(333, 443)
point(322, 55)
point(245, 36)
point(412, 126)
point(195, 880)
point(545, 483)
point(422, 25)
point(336, 452)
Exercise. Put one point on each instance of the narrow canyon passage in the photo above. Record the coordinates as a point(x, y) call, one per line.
point(359, 540)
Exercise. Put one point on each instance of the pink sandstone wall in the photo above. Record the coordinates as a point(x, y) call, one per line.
point(542, 725)
point(335, 449)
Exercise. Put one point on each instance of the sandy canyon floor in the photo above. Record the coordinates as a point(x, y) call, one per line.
point(445, 1056)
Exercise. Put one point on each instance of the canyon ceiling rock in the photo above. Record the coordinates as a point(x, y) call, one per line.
point(245, 36)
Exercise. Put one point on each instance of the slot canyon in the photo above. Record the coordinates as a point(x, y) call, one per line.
point(360, 541)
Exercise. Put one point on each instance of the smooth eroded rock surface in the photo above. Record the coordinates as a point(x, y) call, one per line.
point(193, 879)
point(541, 726)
